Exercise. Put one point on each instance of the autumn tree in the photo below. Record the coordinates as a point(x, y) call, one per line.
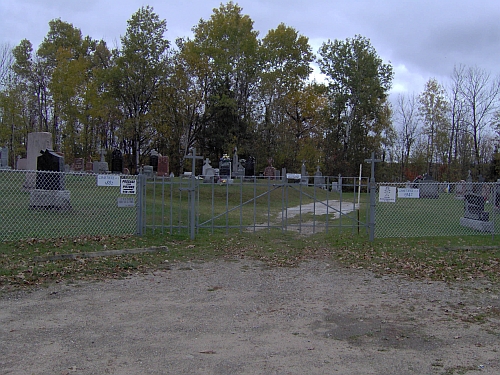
point(223, 56)
point(358, 83)
point(287, 107)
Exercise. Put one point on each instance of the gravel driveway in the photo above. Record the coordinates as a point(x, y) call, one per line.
point(241, 317)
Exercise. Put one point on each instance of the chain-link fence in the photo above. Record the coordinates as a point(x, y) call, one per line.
point(437, 209)
point(36, 204)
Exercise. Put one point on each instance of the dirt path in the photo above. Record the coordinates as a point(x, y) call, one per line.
point(244, 318)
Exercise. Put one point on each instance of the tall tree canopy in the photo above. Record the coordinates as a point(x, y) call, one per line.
point(358, 85)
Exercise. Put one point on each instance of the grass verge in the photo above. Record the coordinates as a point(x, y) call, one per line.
point(440, 258)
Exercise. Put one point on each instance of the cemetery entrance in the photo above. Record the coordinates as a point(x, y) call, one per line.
point(192, 205)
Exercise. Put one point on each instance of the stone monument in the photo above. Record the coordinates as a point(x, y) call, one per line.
point(163, 166)
point(36, 142)
point(116, 161)
point(49, 192)
point(4, 158)
point(270, 171)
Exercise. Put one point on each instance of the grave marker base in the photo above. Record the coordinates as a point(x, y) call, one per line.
point(482, 226)
point(50, 199)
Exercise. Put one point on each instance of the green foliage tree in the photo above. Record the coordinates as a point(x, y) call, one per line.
point(286, 58)
point(223, 56)
point(140, 68)
point(358, 84)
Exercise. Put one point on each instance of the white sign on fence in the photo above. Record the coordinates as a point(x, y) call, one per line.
point(387, 194)
point(126, 202)
point(108, 180)
point(128, 186)
point(408, 193)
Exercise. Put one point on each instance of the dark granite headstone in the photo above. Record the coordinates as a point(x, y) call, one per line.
point(116, 161)
point(153, 161)
point(78, 165)
point(225, 166)
point(50, 161)
point(250, 167)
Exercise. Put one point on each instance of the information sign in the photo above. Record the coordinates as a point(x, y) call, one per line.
point(128, 186)
point(408, 193)
point(108, 180)
point(387, 194)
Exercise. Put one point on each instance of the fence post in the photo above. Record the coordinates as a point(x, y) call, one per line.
point(141, 190)
point(373, 193)
point(373, 187)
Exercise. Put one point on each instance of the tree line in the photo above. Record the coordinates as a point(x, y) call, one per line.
point(227, 88)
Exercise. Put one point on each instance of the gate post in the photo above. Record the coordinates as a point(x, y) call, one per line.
point(373, 193)
point(141, 204)
point(192, 193)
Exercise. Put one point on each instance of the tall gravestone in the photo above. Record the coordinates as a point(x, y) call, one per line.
point(4, 157)
point(50, 190)
point(163, 166)
point(36, 142)
point(475, 216)
point(153, 160)
point(116, 161)
point(270, 171)
point(250, 167)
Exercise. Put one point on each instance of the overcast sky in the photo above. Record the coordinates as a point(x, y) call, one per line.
point(422, 39)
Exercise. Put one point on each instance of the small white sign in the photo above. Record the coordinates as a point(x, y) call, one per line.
point(128, 186)
point(126, 202)
point(387, 194)
point(108, 180)
point(408, 193)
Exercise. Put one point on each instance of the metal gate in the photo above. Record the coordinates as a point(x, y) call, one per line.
point(190, 206)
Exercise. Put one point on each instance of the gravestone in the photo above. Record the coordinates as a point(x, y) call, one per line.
point(460, 190)
point(50, 190)
point(148, 171)
point(429, 188)
point(319, 180)
point(240, 170)
point(49, 162)
point(101, 166)
point(235, 162)
point(225, 166)
point(206, 166)
point(4, 157)
point(116, 161)
point(270, 171)
point(474, 215)
point(78, 165)
point(304, 179)
point(250, 167)
point(163, 166)
point(36, 142)
point(209, 176)
point(22, 163)
point(89, 165)
point(153, 160)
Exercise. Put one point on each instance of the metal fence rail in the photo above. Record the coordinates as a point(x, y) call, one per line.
point(35, 204)
point(253, 204)
point(437, 209)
